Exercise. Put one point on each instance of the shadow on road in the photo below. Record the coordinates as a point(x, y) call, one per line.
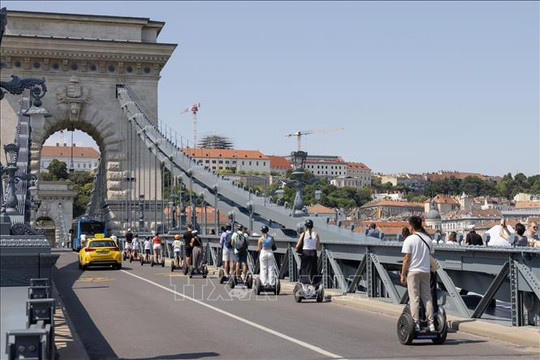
point(178, 356)
point(94, 342)
point(449, 342)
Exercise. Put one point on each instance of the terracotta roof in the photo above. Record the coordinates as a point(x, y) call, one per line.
point(527, 204)
point(224, 153)
point(393, 203)
point(444, 199)
point(494, 213)
point(357, 166)
point(279, 162)
point(65, 151)
point(320, 209)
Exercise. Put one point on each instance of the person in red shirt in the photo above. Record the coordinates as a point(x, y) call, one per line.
point(156, 241)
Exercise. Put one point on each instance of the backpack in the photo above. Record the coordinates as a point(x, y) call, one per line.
point(228, 240)
point(241, 244)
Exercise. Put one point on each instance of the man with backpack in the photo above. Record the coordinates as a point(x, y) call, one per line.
point(239, 242)
point(225, 241)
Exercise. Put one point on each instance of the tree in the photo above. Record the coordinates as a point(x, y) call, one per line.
point(58, 170)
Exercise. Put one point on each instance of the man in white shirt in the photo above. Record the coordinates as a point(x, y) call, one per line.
point(418, 248)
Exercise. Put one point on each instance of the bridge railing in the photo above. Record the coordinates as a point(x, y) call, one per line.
point(352, 261)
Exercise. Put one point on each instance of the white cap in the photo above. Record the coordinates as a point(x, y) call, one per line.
point(194, 232)
point(470, 227)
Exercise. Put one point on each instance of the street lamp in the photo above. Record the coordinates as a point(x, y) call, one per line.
point(12, 154)
point(299, 159)
point(141, 212)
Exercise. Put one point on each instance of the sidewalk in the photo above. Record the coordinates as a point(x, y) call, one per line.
point(68, 343)
point(526, 336)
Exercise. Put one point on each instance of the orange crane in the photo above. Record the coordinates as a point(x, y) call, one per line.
point(299, 134)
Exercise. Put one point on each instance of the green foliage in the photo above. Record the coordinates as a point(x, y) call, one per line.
point(58, 170)
point(508, 187)
point(82, 184)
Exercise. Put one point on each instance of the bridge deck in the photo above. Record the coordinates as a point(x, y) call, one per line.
point(144, 312)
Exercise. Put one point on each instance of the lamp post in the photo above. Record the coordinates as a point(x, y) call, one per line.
point(298, 158)
point(12, 154)
point(141, 212)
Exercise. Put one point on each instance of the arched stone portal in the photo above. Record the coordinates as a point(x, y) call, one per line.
point(83, 58)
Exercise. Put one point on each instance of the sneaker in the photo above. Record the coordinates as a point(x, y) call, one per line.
point(417, 327)
point(432, 328)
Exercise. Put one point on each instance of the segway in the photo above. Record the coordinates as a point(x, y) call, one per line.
point(222, 277)
point(184, 264)
point(132, 257)
point(162, 262)
point(200, 270)
point(141, 259)
point(260, 287)
point(405, 326)
point(238, 281)
point(307, 290)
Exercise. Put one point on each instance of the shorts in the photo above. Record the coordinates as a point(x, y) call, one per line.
point(147, 251)
point(189, 251)
point(127, 246)
point(178, 253)
point(157, 246)
point(241, 257)
point(136, 248)
point(227, 255)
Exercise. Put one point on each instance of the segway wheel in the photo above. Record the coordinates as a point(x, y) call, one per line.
point(131, 259)
point(257, 285)
point(405, 329)
point(442, 327)
point(221, 275)
point(172, 266)
point(320, 295)
point(162, 263)
point(298, 292)
point(185, 269)
point(232, 282)
point(277, 289)
point(190, 272)
point(142, 261)
point(249, 281)
point(204, 271)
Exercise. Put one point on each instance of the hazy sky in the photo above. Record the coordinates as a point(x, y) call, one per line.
point(418, 86)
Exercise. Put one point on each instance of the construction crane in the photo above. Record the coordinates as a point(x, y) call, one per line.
point(299, 134)
point(194, 109)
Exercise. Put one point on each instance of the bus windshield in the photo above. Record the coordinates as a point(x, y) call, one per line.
point(92, 228)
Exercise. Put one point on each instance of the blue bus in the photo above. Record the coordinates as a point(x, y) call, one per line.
point(85, 227)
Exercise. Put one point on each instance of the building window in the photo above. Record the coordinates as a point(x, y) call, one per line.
point(250, 163)
point(111, 68)
point(93, 67)
point(257, 163)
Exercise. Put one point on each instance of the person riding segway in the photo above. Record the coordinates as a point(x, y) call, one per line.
point(187, 247)
point(267, 280)
point(422, 318)
point(158, 257)
point(227, 254)
point(178, 246)
point(199, 266)
point(240, 246)
point(309, 285)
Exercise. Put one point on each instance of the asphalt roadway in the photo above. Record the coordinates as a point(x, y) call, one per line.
point(147, 313)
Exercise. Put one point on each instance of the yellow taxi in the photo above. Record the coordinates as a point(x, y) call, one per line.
point(100, 251)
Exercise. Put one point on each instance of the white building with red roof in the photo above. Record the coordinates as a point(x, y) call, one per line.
point(230, 159)
point(84, 158)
